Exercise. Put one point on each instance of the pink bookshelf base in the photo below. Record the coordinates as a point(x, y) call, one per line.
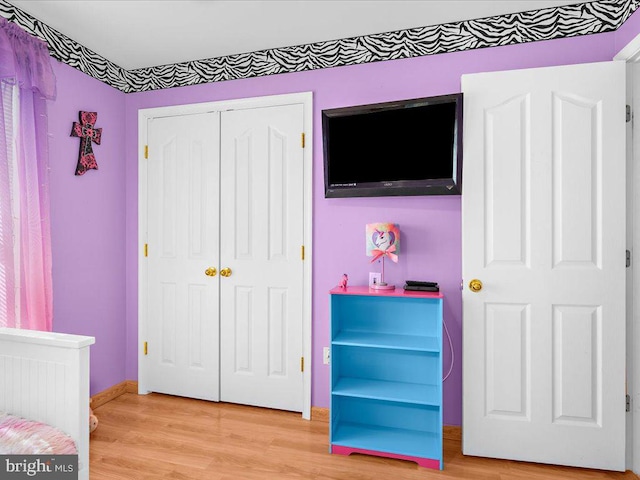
point(423, 462)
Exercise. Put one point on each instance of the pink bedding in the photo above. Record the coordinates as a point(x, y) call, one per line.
point(19, 436)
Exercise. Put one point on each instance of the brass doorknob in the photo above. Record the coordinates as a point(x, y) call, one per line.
point(210, 272)
point(225, 272)
point(475, 285)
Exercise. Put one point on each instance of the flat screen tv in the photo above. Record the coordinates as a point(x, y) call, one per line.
point(408, 147)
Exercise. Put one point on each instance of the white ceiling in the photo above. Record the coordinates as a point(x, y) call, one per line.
point(144, 33)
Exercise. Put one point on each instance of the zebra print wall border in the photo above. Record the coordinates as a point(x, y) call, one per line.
point(546, 24)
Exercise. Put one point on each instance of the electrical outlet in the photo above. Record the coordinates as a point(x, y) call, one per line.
point(374, 278)
point(326, 355)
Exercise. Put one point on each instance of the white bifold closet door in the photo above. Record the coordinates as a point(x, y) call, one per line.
point(260, 240)
point(183, 241)
point(226, 193)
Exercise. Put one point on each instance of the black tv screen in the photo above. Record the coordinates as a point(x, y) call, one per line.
point(408, 147)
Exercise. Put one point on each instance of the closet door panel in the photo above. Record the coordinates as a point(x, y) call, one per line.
point(260, 243)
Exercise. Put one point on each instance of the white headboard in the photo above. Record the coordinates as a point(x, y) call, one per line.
point(44, 376)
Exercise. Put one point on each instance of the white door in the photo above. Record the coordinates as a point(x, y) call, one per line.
point(261, 239)
point(544, 230)
point(183, 217)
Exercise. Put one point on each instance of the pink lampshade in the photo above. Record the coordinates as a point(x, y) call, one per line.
point(383, 240)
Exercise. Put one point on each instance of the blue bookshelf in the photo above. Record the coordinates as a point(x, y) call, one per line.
point(386, 374)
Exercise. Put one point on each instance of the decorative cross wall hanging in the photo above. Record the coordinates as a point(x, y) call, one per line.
point(87, 133)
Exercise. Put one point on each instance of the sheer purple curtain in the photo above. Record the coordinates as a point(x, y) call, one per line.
point(25, 65)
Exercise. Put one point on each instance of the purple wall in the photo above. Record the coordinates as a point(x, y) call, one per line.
point(431, 226)
point(87, 223)
point(94, 217)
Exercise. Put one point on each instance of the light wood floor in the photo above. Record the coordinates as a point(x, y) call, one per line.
point(163, 437)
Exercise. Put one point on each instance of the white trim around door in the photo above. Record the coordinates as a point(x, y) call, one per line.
point(630, 54)
point(305, 98)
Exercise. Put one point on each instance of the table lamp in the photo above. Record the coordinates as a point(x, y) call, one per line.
point(383, 240)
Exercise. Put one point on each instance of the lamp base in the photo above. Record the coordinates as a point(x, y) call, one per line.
point(383, 286)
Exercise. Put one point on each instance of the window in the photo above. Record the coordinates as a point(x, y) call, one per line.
point(9, 210)
point(26, 83)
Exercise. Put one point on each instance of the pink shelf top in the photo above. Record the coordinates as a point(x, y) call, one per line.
point(397, 292)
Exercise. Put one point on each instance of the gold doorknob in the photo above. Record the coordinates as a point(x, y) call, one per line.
point(225, 272)
point(210, 272)
point(475, 285)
